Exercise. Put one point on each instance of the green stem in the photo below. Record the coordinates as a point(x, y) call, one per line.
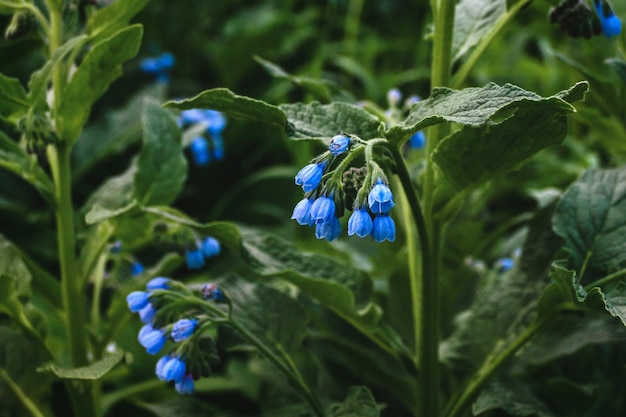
point(353, 18)
point(606, 280)
point(21, 395)
point(470, 62)
point(492, 364)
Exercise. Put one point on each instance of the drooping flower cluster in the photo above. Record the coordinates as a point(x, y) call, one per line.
point(324, 200)
point(185, 361)
point(208, 144)
point(158, 66)
point(578, 19)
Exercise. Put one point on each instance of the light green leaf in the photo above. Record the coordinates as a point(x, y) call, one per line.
point(473, 19)
point(112, 18)
point(358, 403)
point(239, 107)
point(13, 100)
point(315, 121)
point(16, 160)
point(91, 372)
point(161, 167)
point(590, 217)
point(476, 107)
point(101, 66)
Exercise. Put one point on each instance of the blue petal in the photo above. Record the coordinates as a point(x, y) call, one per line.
point(360, 223)
point(137, 300)
point(183, 328)
point(384, 228)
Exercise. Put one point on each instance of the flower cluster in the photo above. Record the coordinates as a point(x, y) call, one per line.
point(184, 361)
point(209, 144)
point(579, 19)
point(158, 66)
point(323, 204)
point(205, 249)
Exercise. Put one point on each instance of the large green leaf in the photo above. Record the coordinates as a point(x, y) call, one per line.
point(590, 217)
point(315, 121)
point(93, 371)
point(239, 107)
point(108, 20)
point(16, 160)
point(162, 167)
point(13, 100)
point(473, 19)
point(476, 107)
point(101, 66)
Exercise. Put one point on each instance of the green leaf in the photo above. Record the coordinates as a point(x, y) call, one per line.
point(358, 403)
point(510, 395)
point(16, 160)
point(315, 121)
point(476, 107)
point(114, 197)
point(112, 18)
point(12, 264)
point(473, 19)
point(590, 217)
point(13, 100)
point(101, 66)
point(239, 107)
point(619, 67)
point(472, 156)
point(161, 167)
point(91, 372)
point(38, 84)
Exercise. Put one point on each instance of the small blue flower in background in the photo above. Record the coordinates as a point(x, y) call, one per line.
point(159, 66)
point(611, 24)
point(505, 264)
point(323, 209)
point(380, 198)
point(116, 247)
point(418, 140)
point(136, 268)
point(137, 300)
point(328, 229)
point(360, 223)
point(211, 292)
point(151, 339)
point(339, 144)
point(185, 385)
point(310, 176)
point(383, 228)
point(211, 247)
point(206, 249)
point(393, 97)
point(158, 283)
point(200, 152)
point(195, 258)
point(218, 146)
point(202, 148)
point(183, 328)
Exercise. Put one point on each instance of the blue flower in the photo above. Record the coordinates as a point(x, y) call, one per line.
point(360, 223)
point(328, 230)
point(137, 300)
point(173, 370)
point(190, 117)
point(185, 385)
point(505, 264)
point(611, 24)
point(339, 144)
point(195, 258)
point(380, 198)
point(147, 313)
point(158, 283)
point(418, 140)
point(116, 247)
point(136, 268)
point(210, 247)
point(302, 212)
point(310, 176)
point(216, 122)
point(199, 148)
point(183, 328)
point(393, 97)
point(218, 146)
point(323, 209)
point(383, 228)
point(159, 66)
point(151, 339)
point(160, 365)
point(211, 292)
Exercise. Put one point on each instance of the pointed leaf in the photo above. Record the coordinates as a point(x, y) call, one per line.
point(162, 167)
point(13, 100)
point(91, 372)
point(101, 66)
point(315, 121)
point(473, 19)
point(108, 20)
point(475, 107)
point(590, 217)
point(16, 160)
point(318, 88)
point(239, 107)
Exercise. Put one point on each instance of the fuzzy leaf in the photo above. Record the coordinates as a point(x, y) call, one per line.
point(315, 121)
point(13, 100)
point(16, 160)
point(358, 403)
point(239, 107)
point(590, 217)
point(108, 20)
point(161, 167)
point(91, 372)
point(473, 19)
point(476, 107)
point(101, 66)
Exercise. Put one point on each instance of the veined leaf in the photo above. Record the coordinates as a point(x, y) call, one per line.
point(91, 372)
point(13, 100)
point(112, 18)
point(472, 21)
point(101, 66)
